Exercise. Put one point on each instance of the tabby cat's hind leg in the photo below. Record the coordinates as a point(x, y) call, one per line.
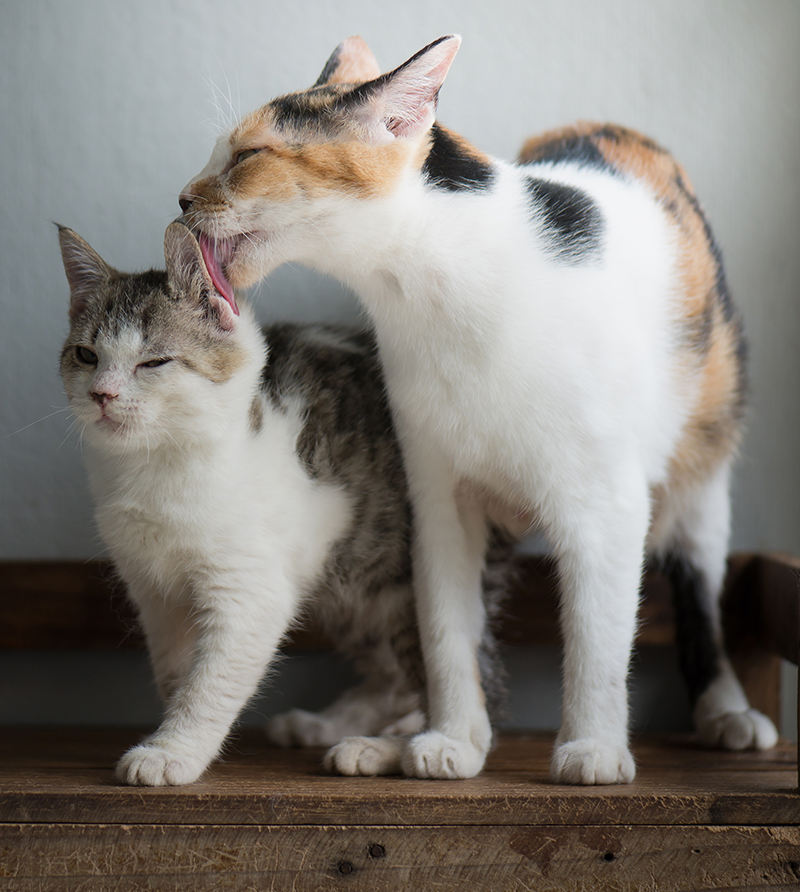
point(361, 711)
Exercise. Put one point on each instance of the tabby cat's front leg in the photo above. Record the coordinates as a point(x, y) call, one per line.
point(241, 625)
point(171, 633)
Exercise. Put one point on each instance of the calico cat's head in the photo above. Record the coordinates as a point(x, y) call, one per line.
point(146, 351)
point(274, 184)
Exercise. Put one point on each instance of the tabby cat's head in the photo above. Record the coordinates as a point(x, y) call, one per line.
point(146, 351)
point(276, 181)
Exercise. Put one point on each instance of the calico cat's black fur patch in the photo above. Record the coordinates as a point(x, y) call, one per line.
point(571, 221)
point(449, 166)
point(330, 66)
point(697, 649)
point(579, 150)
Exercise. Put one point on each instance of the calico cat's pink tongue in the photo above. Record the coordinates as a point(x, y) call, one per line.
point(215, 254)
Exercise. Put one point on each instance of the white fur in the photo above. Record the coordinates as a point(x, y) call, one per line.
point(552, 388)
point(218, 533)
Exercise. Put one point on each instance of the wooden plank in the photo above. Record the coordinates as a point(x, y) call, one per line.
point(67, 604)
point(72, 605)
point(66, 777)
point(391, 858)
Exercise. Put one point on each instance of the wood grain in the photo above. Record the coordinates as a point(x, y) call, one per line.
point(384, 857)
point(66, 776)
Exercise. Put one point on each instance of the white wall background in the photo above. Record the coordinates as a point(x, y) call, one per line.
point(108, 108)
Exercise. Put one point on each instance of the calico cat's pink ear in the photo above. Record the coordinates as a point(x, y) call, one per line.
point(351, 62)
point(87, 272)
point(189, 276)
point(402, 103)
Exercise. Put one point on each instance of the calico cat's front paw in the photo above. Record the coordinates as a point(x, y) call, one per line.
point(366, 756)
point(434, 755)
point(589, 761)
point(148, 765)
point(746, 730)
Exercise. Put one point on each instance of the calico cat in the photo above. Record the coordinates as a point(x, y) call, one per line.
point(560, 350)
point(243, 480)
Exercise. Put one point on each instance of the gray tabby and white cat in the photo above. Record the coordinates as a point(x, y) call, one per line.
point(243, 479)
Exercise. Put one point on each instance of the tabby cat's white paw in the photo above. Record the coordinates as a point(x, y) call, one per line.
point(366, 756)
point(589, 761)
point(748, 730)
point(297, 727)
point(412, 723)
point(434, 755)
point(148, 765)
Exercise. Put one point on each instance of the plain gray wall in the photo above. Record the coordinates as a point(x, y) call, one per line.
point(108, 108)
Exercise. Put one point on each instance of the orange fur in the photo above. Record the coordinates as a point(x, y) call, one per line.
point(711, 347)
point(354, 63)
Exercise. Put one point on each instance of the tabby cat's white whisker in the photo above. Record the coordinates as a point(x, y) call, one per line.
point(58, 411)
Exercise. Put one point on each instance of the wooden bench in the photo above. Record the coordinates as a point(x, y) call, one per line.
point(268, 819)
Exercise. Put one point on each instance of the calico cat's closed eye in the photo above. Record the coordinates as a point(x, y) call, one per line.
point(245, 154)
point(154, 363)
point(86, 356)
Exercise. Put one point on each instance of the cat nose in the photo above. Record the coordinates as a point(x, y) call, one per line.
point(102, 398)
point(185, 204)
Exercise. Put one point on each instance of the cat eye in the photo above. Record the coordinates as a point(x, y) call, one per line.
point(153, 363)
point(244, 155)
point(86, 356)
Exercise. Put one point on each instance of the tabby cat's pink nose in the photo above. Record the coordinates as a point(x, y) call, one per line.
point(102, 399)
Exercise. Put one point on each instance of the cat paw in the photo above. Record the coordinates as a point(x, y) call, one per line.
point(434, 755)
point(590, 761)
point(366, 756)
point(748, 730)
point(412, 723)
point(148, 765)
point(297, 727)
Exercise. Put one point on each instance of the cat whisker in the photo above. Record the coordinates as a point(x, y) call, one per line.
point(38, 421)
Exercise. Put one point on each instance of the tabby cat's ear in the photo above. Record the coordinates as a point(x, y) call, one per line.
point(188, 274)
point(402, 103)
point(87, 272)
point(351, 62)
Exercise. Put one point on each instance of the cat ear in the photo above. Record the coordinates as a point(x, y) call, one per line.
point(87, 272)
point(402, 103)
point(351, 62)
point(189, 276)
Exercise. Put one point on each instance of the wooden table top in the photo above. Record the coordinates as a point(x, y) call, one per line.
point(65, 775)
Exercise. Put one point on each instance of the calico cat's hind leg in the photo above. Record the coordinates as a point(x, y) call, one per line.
point(361, 711)
point(692, 553)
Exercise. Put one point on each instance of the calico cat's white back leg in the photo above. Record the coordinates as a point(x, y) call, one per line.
point(241, 624)
point(692, 542)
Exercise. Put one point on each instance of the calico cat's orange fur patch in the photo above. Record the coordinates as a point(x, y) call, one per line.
point(712, 344)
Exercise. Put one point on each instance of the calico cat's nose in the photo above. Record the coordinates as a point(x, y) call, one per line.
point(185, 203)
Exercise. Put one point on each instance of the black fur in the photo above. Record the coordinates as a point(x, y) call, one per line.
point(570, 220)
point(698, 652)
point(579, 150)
point(330, 67)
point(448, 166)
